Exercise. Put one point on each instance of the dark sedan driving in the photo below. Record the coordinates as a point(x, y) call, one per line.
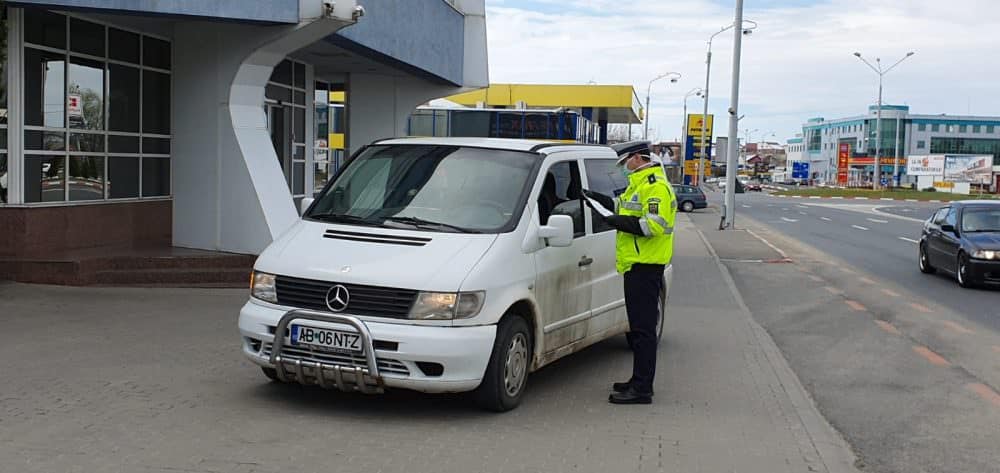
point(963, 239)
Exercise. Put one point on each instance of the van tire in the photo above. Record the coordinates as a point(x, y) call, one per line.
point(512, 350)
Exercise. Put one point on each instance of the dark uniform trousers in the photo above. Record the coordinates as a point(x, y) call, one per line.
point(642, 302)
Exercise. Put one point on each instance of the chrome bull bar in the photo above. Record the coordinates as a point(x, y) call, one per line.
point(345, 378)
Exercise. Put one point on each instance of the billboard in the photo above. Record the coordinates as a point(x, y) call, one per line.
point(968, 168)
point(927, 165)
point(721, 150)
point(696, 126)
point(843, 158)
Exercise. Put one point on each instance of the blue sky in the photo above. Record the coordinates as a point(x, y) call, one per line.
point(797, 65)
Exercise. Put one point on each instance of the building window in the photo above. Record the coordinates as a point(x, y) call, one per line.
point(975, 128)
point(934, 127)
point(285, 96)
point(967, 146)
point(921, 144)
point(989, 129)
point(93, 94)
point(922, 127)
point(962, 128)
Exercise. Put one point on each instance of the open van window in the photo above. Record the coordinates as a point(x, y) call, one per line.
point(430, 187)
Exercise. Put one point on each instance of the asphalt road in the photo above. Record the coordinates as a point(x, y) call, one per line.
point(870, 236)
point(905, 366)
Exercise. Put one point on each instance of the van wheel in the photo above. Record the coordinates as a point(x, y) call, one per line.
point(660, 321)
point(687, 206)
point(271, 374)
point(507, 373)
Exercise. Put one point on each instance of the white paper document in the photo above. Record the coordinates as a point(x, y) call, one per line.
point(599, 208)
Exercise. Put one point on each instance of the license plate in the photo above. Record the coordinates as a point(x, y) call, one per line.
point(334, 340)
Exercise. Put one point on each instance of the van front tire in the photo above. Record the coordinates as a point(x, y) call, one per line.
point(507, 373)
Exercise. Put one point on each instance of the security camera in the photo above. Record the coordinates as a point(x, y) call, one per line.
point(673, 80)
point(747, 32)
point(328, 8)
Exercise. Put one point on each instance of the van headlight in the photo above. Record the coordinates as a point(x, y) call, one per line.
point(986, 254)
point(447, 305)
point(262, 287)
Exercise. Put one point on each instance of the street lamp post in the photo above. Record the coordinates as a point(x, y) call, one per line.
point(729, 210)
point(878, 120)
point(695, 91)
point(673, 79)
point(748, 29)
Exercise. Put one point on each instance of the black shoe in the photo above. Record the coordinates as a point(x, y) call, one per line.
point(630, 397)
point(622, 387)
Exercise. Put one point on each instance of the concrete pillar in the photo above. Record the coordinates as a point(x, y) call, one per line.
point(229, 190)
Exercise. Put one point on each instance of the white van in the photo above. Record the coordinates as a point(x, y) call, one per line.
point(441, 265)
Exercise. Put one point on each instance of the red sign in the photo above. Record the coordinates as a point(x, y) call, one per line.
point(843, 156)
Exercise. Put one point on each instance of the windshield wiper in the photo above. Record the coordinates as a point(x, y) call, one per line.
point(342, 218)
point(417, 222)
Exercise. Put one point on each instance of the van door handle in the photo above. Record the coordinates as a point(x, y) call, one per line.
point(585, 261)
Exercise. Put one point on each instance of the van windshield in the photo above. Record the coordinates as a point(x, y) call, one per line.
point(429, 187)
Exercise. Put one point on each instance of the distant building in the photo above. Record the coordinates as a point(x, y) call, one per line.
point(903, 134)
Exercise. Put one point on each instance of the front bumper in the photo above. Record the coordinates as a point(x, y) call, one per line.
point(421, 358)
point(986, 271)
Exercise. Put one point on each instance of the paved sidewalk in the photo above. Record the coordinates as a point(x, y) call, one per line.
point(139, 380)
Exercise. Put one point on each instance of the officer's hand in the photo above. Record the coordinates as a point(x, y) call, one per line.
point(604, 200)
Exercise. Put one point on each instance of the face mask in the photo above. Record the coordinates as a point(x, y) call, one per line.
point(625, 171)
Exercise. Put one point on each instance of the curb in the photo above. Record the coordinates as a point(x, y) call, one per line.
point(834, 452)
point(890, 199)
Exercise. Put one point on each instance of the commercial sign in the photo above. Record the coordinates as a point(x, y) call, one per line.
point(691, 167)
point(696, 126)
point(843, 157)
point(927, 165)
point(74, 107)
point(968, 168)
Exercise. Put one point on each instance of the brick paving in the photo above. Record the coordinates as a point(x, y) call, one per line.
point(152, 380)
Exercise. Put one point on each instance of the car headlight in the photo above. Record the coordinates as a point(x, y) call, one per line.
point(262, 287)
point(986, 254)
point(447, 305)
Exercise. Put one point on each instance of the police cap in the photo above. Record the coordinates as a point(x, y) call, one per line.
point(624, 150)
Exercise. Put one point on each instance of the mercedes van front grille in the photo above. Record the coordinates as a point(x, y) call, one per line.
point(376, 238)
point(361, 300)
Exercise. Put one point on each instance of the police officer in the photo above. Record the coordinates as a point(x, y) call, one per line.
point(644, 245)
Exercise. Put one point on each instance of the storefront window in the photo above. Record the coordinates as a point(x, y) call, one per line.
point(285, 95)
point(79, 107)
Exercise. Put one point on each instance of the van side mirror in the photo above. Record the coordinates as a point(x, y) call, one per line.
point(948, 228)
point(559, 231)
point(304, 205)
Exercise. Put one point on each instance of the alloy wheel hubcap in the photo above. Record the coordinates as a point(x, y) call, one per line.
point(516, 365)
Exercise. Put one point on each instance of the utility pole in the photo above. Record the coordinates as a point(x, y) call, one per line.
point(878, 119)
point(729, 212)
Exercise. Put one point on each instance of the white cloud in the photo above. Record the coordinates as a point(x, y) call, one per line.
point(797, 65)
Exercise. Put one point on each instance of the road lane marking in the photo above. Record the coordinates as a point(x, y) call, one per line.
point(883, 198)
point(930, 356)
point(784, 209)
point(859, 227)
point(956, 327)
point(890, 292)
point(875, 220)
point(818, 197)
point(855, 305)
point(790, 220)
point(909, 240)
point(985, 392)
point(921, 308)
point(764, 240)
point(815, 278)
point(833, 290)
point(825, 219)
point(888, 327)
point(867, 281)
point(802, 213)
point(908, 200)
point(745, 206)
point(839, 197)
point(802, 206)
point(862, 198)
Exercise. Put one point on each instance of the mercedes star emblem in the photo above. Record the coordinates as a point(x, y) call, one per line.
point(337, 298)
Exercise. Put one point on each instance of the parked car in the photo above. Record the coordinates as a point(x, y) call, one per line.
point(690, 198)
point(753, 187)
point(963, 239)
point(441, 265)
